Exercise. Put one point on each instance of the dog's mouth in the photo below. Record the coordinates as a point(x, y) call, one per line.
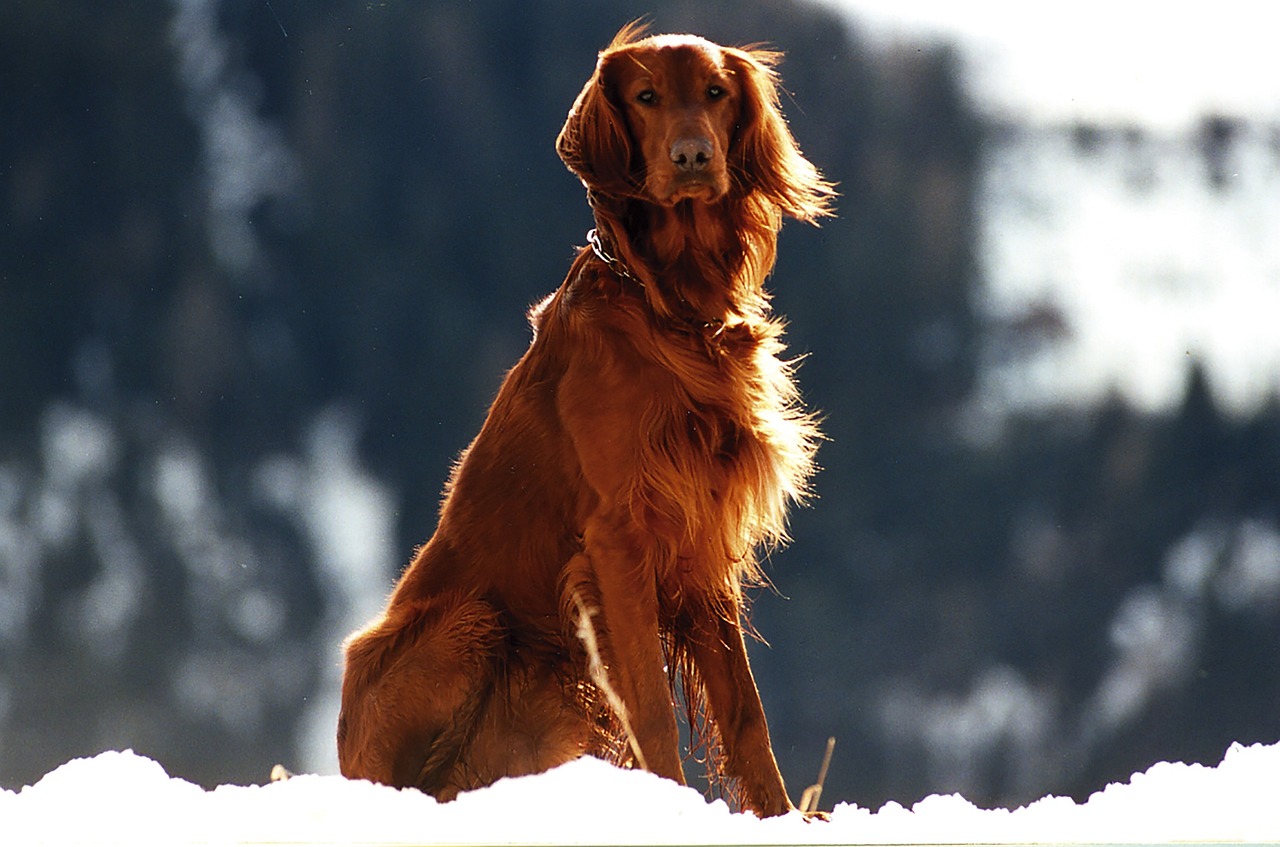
point(703, 188)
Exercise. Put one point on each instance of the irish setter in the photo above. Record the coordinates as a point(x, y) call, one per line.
point(595, 538)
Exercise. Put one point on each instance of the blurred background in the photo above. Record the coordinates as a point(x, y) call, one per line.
point(264, 262)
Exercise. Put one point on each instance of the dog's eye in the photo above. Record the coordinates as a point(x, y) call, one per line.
point(715, 92)
point(648, 97)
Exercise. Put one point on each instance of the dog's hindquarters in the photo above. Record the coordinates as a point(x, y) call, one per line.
point(415, 683)
point(437, 696)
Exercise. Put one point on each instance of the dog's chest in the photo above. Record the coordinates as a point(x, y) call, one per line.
point(714, 472)
point(690, 433)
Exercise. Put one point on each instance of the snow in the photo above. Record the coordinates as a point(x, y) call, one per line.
point(1150, 262)
point(1160, 64)
point(122, 797)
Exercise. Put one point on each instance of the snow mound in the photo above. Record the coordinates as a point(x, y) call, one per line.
point(124, 798)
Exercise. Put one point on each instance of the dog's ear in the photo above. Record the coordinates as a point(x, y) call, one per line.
point(764, 156)
point(594, 142)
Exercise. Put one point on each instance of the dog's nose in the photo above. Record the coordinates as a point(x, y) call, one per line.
point(691, 155)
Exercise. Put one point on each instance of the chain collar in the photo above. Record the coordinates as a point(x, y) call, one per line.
point(615, 264)
point(710, 330)
point(597, 242)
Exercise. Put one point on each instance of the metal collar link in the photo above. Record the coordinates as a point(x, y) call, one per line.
point(615, 264)
point(710, 330)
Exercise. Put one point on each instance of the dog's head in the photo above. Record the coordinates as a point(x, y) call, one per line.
point(667, 118)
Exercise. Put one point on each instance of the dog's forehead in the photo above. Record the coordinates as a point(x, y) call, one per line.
point(657, 53)
point(672, 41)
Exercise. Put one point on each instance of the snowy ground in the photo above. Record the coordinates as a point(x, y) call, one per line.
point(118, 798)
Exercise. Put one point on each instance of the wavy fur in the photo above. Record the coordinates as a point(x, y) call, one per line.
point(634, 464)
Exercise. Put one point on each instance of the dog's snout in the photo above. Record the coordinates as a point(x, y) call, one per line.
point(691, 154)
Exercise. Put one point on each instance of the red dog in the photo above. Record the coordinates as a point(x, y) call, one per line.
point(595, 538)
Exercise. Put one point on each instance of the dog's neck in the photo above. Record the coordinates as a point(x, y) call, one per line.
point(694, 261)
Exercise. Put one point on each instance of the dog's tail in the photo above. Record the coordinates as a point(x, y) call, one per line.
point(600, 677)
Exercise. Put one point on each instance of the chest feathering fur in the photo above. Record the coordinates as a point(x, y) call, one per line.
point(721, 446)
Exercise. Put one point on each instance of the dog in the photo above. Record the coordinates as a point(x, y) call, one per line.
point(595, 538)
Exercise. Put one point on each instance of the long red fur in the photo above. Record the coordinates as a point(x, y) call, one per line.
point(634, 463)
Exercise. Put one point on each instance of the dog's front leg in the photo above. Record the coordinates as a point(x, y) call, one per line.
point(624, 627)
point(720, 655)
